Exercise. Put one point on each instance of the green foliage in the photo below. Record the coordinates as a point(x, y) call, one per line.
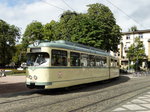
point(136, 51)
point(133, 28)
point(19, 56)
point(96, 28)
point(49, 31)
point(67, 26)
point(9, 34)
point(34, 31)
point(103, 27)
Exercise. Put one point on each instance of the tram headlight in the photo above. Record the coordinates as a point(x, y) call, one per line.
point(29, 76)
point(35, 77)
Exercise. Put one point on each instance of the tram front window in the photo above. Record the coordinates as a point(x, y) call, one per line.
point(38, 59)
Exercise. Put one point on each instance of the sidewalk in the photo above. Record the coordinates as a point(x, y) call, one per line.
point(12, 84)
point(139, 104)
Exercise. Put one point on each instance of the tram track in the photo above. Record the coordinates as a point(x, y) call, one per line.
point(113, 97)
point(66, 99)
point(91, 104)
point(40, 95)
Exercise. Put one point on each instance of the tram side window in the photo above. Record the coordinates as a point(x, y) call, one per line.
point(98, 60)
point(101, 61)
point(104, 61)
point(92, 60)
point(84, 60)
point(59, 58)
point(74, 59)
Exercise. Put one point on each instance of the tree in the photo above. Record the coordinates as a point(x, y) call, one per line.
point(19, 56)
point(49, 31)
point(133, 28)
point(104, 29)
point(34, 31)
point(96, 28)
point(136, 52)
point(65, 28)
point(9, 34)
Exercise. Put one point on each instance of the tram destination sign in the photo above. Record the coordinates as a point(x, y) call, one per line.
point(35, 50)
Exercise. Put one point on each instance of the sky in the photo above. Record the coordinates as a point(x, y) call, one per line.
point(22, 12)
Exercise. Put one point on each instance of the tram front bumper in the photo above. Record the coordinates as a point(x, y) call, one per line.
point(38, 85)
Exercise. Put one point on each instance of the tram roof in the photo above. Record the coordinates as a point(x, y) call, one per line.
point(68, 45)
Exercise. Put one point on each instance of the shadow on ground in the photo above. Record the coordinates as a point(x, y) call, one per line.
point(9, 90)
point(12, 88)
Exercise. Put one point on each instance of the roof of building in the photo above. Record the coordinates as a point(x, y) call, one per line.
point(136, 32)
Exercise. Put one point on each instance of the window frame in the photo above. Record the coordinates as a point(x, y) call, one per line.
point(61, 58)
point(79, 59)
point(37, 56)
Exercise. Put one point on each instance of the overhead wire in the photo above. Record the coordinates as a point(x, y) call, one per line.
point(67, 5)
point(52, 5)
point(124, 13)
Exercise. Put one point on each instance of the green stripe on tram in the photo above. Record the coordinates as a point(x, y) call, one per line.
point(66, 67)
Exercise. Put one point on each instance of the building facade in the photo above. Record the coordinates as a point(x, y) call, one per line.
point(127, 40)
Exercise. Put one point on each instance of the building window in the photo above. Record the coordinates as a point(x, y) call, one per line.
point(140, 35)
point(128, 37)
point(114, 63)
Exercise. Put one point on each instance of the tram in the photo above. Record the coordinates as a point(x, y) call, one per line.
point(58, 64)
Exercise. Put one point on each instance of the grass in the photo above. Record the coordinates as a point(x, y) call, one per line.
point(19, 74)
point(16, 72)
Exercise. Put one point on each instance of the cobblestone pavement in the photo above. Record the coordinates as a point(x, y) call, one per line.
point(138, 104)
point(88, 99)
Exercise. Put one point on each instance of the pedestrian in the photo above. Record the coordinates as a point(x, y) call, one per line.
point(3, 73)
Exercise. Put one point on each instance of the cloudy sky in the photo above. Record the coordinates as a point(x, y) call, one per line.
point(23, 12)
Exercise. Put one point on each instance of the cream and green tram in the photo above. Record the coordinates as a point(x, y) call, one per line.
point(58, 64)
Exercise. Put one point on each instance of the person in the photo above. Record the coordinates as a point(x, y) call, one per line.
point(45, 60)
point(3, 73)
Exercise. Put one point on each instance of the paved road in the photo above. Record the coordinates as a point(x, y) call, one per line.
point(115, 95)
point(12, 84)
